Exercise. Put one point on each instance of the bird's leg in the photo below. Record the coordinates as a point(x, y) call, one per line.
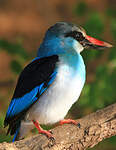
point(69, 121)
point(42, 131)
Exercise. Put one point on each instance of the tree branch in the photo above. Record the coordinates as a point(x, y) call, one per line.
point(94, 128)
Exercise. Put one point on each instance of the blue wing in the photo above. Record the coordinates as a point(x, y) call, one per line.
point(32, 83)
point(17, 105)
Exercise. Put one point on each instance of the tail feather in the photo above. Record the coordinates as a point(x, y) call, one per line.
point(13, 129)
point(16, 135)
point(19, 129)
point(22, 130)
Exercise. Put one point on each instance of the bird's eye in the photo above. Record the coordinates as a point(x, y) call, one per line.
point(76, 35)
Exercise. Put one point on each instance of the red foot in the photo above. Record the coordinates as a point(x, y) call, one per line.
point(68, 121)
point(40, 130)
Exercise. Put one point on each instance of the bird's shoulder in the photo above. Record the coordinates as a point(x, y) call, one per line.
point(34, 74)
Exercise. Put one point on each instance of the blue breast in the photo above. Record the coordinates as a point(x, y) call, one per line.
point(76, 64)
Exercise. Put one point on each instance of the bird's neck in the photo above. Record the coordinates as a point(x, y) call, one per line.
point(49, 47)
point(74, 63)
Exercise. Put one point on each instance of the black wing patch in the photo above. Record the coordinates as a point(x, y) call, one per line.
point(35, 76)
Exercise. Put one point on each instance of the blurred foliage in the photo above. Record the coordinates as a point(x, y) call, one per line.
point(13, 49)
point(98, 92)
point(107, 144)
point(94, 25)
point(101, 92)
point(16, 50)
point(113, 28)
point(81, 9)
point(16, 66)
point(111, 12)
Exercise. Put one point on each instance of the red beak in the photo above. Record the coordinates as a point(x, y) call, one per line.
point(97, 43)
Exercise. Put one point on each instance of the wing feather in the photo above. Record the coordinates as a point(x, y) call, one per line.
point(32, 83)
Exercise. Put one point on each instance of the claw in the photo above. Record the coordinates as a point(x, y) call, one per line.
point(69, 121)
point(47, 133)
point(50, 131)
point(52, 142)
point(78, 124)
point(42, 131)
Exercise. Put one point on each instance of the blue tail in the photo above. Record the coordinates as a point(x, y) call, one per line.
point(16, 134)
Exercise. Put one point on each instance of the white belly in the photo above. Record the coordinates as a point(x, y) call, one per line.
point(54, 104)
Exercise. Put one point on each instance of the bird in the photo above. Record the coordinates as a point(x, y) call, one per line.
point(52, 82)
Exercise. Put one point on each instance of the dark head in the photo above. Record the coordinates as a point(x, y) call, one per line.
point(66, 37)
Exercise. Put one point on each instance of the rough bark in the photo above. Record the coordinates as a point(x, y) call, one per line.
point(94, 128)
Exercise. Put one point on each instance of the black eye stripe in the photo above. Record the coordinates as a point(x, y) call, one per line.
point(76, 35)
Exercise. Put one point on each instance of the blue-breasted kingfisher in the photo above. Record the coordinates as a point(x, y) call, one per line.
point(52, 82)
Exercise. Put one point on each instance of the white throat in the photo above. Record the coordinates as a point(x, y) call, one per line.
point(71, 45)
